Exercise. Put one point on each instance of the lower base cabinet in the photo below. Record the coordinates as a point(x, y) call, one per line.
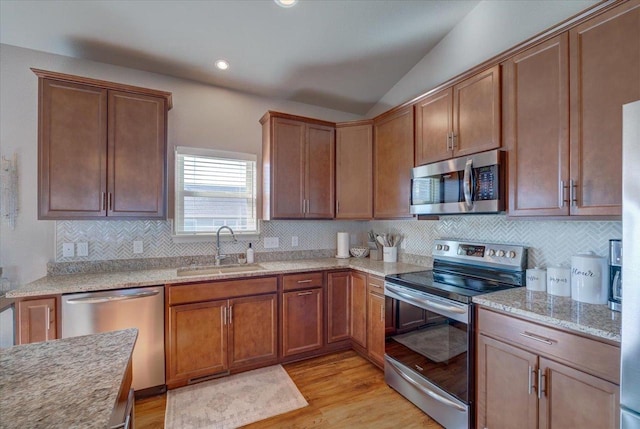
point(521, 386)
point(302, 321)
point(376, 326)
point(37, 320)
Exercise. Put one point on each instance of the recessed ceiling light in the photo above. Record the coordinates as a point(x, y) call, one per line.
point(222, 64)
point(286, 3)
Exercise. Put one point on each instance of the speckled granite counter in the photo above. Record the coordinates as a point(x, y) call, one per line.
point(72, 283)
point(69, 383)
point(594, 320)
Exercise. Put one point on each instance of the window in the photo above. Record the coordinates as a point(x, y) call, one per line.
point(214, 188)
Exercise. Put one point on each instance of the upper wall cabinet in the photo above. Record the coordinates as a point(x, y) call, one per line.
point(562, 117)
point(101, 149)
point(392, 164)
point(459, 120)
point(354, 170)
point(298, 163)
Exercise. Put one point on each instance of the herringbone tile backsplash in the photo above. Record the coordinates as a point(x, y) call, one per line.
point(549, 242)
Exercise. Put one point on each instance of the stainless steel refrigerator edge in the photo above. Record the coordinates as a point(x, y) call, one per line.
point(141, 308)
point(630, 366)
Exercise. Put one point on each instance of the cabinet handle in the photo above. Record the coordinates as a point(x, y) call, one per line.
point(536, 338)
point(541, 376)
point(375, 285)
point(51, 318)
point(449, 141)
point(532, 375)
point(337, 206)
point(304, 281)
point(382, 312)
point(308, 206)
point(103, 198)
point(564, 200)
point(454, 141)
point(305, 293)
point(574, 192)
point(224, 316)
point(230, 314)
point(110, 201)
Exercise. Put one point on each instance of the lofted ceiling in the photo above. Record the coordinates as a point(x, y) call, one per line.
point(338, 54)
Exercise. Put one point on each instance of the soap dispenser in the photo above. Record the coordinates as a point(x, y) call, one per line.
point(250, 254)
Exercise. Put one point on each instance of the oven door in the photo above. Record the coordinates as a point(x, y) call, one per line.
point(428, 354)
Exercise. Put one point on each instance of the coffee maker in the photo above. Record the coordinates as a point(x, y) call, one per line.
point(615, 275)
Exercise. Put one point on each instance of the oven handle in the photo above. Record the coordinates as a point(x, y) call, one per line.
point(427, 302)
point(424, 390)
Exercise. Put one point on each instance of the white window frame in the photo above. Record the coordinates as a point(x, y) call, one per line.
point(181, 235)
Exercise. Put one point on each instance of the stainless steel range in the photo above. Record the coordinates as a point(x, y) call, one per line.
point(429, 355)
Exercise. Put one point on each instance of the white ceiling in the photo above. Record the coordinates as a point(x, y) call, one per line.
point(339, 54)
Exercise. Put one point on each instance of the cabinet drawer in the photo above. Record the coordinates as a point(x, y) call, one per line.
point(207, 291)
point(302, 281)
point(375, 285)
point(594, 357)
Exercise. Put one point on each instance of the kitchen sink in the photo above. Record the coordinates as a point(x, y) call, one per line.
point(209, 270)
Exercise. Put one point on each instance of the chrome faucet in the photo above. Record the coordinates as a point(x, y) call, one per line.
point(220, 256)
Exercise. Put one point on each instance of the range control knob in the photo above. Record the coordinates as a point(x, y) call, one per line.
point(501, 253)
point(445, 247)
point(492, 252)
point(512, 254)
point(438, 246)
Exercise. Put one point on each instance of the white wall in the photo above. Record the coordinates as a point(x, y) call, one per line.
point(490, 28)
point(202, 116)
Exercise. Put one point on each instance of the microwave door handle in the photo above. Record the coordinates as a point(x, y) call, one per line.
point(467, 184)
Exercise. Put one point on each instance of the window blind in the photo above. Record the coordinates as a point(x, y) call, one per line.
point(214, 188)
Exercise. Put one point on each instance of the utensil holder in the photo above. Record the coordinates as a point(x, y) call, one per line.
point(390, 254)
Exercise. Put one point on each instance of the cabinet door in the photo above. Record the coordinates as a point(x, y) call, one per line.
point(319, 172)
point(302, 321)
point(354, 172)
point(505, 386)
point(137, 154)
point(338, 307)
point(37, 320)
point(287, 168)
point(393, 161)
point(376, 328)
point(536, 117)
point(197, 340)
point(252, 330)
point(574, 399)
point(72, 146)
point(476, 113)
point(604, 75)
point(358, 294)
point(434, 116)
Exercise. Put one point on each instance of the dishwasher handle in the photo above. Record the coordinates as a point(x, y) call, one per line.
point(111, 298)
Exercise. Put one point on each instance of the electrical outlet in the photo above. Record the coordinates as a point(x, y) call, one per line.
point(68, 250)
point(137, 246)
point(294, 241)
point(271, 242)
point(82, 248)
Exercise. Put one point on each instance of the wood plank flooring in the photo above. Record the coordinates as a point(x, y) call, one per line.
point(342, 389)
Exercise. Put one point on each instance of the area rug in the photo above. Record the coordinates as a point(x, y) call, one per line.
point(438, 343)
point(233, 401)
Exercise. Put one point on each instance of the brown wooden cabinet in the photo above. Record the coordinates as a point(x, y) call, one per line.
point(302, 321)
point(562, 117)
point(358, 301)
point(216, 327)
point(112, 136)
point(37, 320)
point(298, 167)
point(549, 378)
point(354, 170)
point(459, 120)
point(392, 163)
point(376, 327)
point(338, 307)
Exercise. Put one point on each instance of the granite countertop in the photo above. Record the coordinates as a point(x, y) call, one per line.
point(591, 319)
point(72, 283)
point(68, 383)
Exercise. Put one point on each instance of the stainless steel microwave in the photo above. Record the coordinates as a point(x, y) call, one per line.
point(469, 184)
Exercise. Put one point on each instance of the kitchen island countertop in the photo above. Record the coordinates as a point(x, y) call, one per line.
point(73, 382)
point(73, 283)
point(563, 312)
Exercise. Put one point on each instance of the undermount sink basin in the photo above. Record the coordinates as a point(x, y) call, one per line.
point(205, 271)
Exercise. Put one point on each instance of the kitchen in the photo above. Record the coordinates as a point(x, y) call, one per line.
point(201, 111)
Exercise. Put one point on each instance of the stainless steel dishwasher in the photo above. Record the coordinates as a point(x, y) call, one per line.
point(141, 308)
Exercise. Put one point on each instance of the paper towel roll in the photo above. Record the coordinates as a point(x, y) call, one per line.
point(343, 245)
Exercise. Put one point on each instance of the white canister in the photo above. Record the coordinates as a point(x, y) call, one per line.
point(559, 281)
point(589, 279)
point(536, 279)
point(390, 254)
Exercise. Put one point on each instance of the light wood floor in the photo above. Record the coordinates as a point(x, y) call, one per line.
point(343, 390)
